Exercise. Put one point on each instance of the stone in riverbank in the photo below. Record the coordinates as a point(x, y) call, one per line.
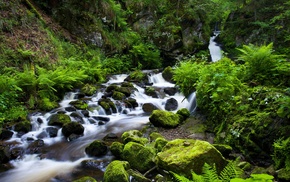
point(58, 120)
point(97, 149)
point(72, 128)
point(166, 119)
point(185, 155)
point(116, 172)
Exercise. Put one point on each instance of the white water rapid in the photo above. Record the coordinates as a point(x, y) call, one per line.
point(214, 48)
point(58, 160)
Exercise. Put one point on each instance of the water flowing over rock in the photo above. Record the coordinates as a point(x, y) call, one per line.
point(65, 134)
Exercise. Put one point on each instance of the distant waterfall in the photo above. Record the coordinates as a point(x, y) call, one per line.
point(214, 49)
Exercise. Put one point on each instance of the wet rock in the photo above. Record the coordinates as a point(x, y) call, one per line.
point(58, 120)
point(42, 135)
point(116, 171)
point(96, 149)
point(86, 113)
point(107, 105)
point(77, 117)
point(16, 152)
point(101, 118)
point(35, 147)
point(170, 90)
point(117, 149)
point(167, 74)
point(186, 155)
point(127, 84)
point(118, 95)
point(39, 120)
point(70, 109)
point(139, 157)
point(149, 107)
point(79, 104)
point(4, 157)
point(72, 128)
point(111, 88)
point(134, 136)
point(131, 103)
point(166, 119)
point(6, 134)
point(126, 90)
point(225, 150)
point(52, 131)
point(111, 137)
point(151, 92)
point(171, 104)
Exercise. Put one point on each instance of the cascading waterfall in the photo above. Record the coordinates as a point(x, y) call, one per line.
point(214, 49)
point(58, 157)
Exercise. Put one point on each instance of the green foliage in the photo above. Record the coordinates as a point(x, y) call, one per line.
point(147, 55)
point(259, 61)
point(281, 154)
point(284, 109)
point(218, 85)
point(210, 174)
point(255, 178)
point(116, 64)
point(186, 75)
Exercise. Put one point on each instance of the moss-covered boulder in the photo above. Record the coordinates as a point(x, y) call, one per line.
point(58, 120)
point(116, 171)
point(131, 103)
point(154, 135)
point(107, 105)
point(164, 119)
point(127, 84)
point(85, 179)
point(72, 128)
point(23, 127)
point(125, 90)
point(139, 156)
point(185, 155)
point(117, 149)
point(79, 104)
point(183, 113)
point(133, 136)
point(96, 149)
point(151, 92)
point(5, 134)
point(88, 89)
point(167, 74)
point(159, 144)
point(118, 95)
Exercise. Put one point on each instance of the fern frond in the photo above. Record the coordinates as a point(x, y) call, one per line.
point(210, 173)
point(197, 178)
point(179, 178)
point(230, 171)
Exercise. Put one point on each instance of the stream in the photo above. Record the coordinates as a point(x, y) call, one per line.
point(52, 158)
point(55, 159)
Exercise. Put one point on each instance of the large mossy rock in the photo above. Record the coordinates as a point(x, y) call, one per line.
point(167, 74)
point(185, 155)
point(116, 171)
point(166, 119)
point(133, 136)
point(79, 104)
point(183, 113)
point(72, 128)
point(59, 120)
point(107, 105)
point(140, 157)
point(117, 149)
point(97, 148)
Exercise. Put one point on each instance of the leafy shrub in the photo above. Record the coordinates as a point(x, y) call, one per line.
point(147, 55)
point(186, 76)
point(259, 61)
point(281, 154)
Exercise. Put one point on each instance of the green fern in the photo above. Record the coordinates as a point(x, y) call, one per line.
point(179, 178)
point(210, 173)
point(229, 172)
